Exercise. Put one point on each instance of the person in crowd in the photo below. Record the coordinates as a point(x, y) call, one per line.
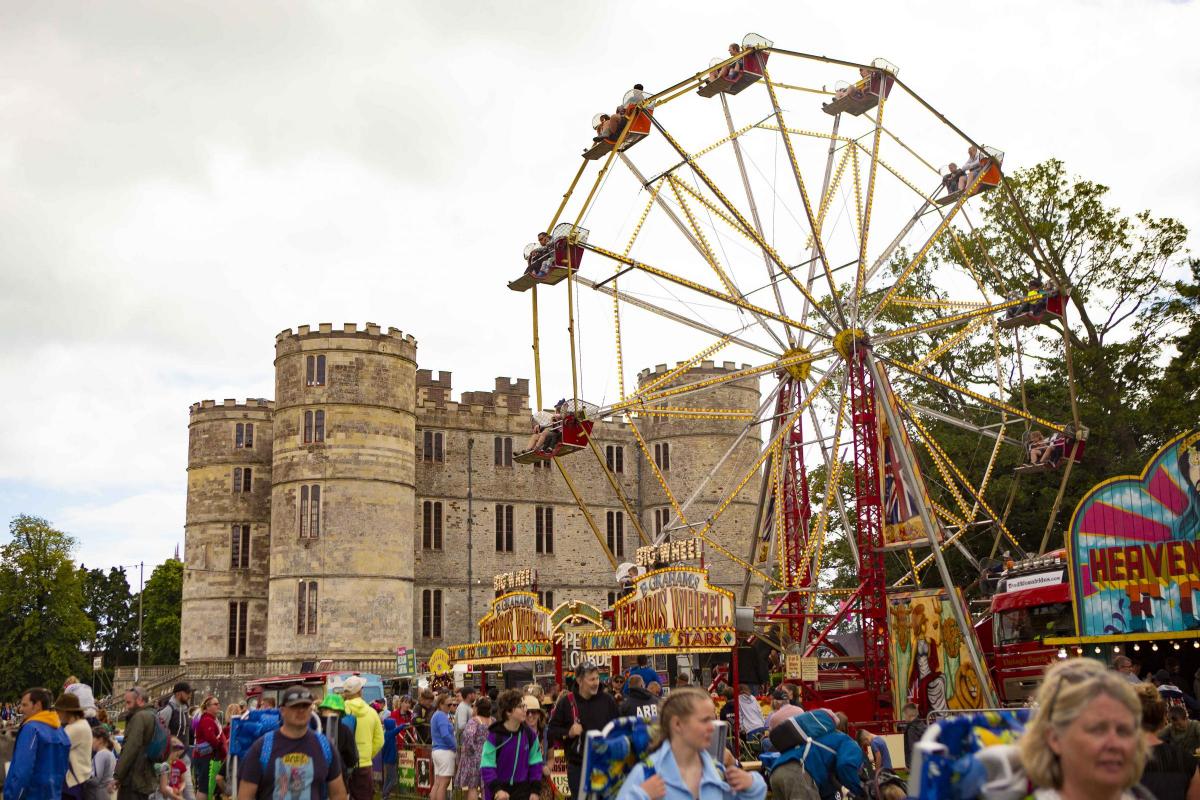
point(875, 749)
point(104, 761)
point(638, 702)
point(175, 717)
point(79, 763)
point(536, 717)
point(808, 772)
point(750, 716)
point(471, 749)
point(633, 98)
point(84, 692)
point(332, 710)
point(1123, 665)
point(727, 706)
point(267, 702)
point(1085, 738)
point(102, 721)
point(444, 746)
point(951, 178)
point(914, 729)
point(781, 701)
point(232, 711)
point(654, 688)
point(368, 737)
point(1180, 730)
point(402, 709)
point(1170, 770)
point(1040, 448)
point(583, 709)
point(134, 776)
point(41, 753)
point(465, 710)
point(172, 773)
point(682, 768)
point(972, 168)
point(511, 764)
point(389, 757)
point(209, 751)
point(298, 763)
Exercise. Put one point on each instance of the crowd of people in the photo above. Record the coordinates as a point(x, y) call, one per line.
point(1095, 732)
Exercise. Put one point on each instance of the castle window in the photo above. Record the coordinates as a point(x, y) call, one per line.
point(239, 547)
point(314, 374)
point(431, 527)
point(616, 533)
point(662, 455)
point(546, 599)
point(614, 457)
point(661, 517)
point(310, 511)
point(242, 479)
point(237, 628)
point(431, 614)
point(504, 528)
point(503, 451)
point(243, 436)
point(314, 427)
point(433, 451)
point(544, 529)
point(612, 599)
point(306, 608)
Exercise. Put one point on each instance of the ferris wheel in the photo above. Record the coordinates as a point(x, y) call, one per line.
point(813, 218)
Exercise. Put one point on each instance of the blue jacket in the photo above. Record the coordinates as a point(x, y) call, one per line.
point(834, 755)
point(712, 784)
point(39, 761)
point(443, 731)
point(510, 759)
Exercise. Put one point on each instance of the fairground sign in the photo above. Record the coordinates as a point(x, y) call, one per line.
point(1135, 558)
point(672, 609)
point(516, 629)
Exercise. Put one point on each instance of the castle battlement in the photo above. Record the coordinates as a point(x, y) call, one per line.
point(703, 366)
point(349, 336)
point(260, 404)
point(511, 395)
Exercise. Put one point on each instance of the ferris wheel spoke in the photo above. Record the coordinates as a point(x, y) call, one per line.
point(835, 301)
point(698, 287)
point(865, 231)
point(992, 431)
point(924, 251)
point(758, 228)
point(673, 316)
point(725, 201)
point(833, 473)
point(982, 312)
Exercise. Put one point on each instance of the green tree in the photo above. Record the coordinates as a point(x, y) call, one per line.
point(107, 602)
point(161, 611)
point(45, 628)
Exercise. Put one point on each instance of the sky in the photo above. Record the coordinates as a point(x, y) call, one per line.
point(181, 181)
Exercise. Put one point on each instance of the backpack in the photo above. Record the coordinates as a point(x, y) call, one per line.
point(158, 748)
point(268, 744)
point(803, 730)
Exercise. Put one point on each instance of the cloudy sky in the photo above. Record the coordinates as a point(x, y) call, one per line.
point(180, 181)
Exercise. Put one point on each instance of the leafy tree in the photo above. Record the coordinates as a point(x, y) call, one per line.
point(161, 611)
point(41, 608)
point(107, 602)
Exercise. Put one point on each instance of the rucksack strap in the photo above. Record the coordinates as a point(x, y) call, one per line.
point(264, 758)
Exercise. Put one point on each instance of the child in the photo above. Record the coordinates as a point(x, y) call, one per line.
point(172, 773)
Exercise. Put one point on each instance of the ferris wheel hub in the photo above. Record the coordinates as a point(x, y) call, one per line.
point(846, 341)
point(797, 363)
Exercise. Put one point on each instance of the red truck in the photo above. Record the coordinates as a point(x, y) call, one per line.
point(1032, 601)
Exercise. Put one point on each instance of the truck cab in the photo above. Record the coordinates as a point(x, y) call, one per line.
point(1032, 602)
point(319, 683)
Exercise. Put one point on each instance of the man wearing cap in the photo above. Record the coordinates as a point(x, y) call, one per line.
point(39, 759)
point(368, 737)
point(583, 709)
point(301, 764)
point(175, 717)
point(781, 700)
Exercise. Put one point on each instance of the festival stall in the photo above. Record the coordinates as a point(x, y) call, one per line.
point(515, 629)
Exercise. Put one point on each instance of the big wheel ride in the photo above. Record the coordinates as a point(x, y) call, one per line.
point(811, 218)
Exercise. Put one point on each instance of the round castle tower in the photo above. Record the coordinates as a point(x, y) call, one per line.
point(227, 536)
point(343, 495)
point(689, 448)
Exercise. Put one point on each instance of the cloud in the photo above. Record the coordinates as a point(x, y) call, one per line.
point(121, 531)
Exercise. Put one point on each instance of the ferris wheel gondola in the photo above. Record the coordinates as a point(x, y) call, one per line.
point(854, 342)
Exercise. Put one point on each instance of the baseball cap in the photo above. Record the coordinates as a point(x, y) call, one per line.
point(182, 686)
point(353, 685)
point(781, 694)
point(295, 696)
point(531, 703)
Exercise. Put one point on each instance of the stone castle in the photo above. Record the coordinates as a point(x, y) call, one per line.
point(364, 509)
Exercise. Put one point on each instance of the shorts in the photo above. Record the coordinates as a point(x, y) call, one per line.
point(443, 763)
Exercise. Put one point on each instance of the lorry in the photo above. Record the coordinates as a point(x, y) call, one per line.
point(319, 683)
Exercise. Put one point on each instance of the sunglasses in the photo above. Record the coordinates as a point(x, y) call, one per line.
point(1072, 675)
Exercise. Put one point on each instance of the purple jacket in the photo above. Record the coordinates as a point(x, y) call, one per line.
point(511, 761)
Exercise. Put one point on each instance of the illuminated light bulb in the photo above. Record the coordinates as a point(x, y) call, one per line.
point(1097, 651)
point(1196, 643)
point(1137, 647)
point(1154, 647)
point(1078, 651)
point(1177, 645)
point(1062, 652)
point(1116, 648)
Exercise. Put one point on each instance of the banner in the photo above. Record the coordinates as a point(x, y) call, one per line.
point(1132, 544)
point(406, 770)
point(673, 609)
point(930, 663)
point(516, 629)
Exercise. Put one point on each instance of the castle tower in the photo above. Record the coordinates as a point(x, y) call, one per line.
point(687, 450)
point(343, 497)
point(227, 536)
